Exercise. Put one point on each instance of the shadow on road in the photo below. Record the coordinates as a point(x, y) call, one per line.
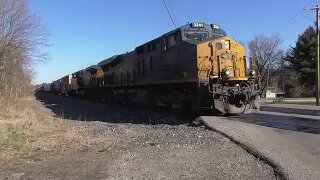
point(281, 122)
point(89, 110)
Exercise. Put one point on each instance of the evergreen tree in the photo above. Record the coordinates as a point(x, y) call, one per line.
point(302, 57)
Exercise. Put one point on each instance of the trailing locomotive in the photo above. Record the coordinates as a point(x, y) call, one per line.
point(196, 66)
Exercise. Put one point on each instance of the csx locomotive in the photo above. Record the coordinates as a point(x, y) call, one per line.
point(196, 66)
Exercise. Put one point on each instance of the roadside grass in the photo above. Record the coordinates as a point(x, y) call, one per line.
point(29, 132)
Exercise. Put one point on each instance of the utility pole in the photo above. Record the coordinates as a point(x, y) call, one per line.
point(318, 61)
point(268, 76)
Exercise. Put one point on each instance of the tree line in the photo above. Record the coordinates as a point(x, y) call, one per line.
point(22, 39)
point(292, 71)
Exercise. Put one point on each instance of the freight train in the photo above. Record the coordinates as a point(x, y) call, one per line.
point(196, 66)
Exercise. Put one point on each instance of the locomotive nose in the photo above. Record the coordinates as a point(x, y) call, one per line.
point(223, 55)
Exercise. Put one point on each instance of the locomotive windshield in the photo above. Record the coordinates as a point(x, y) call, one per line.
point(195, 32)
point(197, 35)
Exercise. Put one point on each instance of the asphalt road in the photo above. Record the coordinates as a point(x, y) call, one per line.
point(291, 142)
point(292, 122)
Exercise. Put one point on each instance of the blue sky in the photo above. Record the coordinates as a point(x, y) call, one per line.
point(84, 32)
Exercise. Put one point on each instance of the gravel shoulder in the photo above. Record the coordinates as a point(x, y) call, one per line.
point(149, 152)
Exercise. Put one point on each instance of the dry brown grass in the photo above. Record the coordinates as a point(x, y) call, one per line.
point(28, 132)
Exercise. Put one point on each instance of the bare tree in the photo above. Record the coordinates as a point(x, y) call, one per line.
point(22, 38)
point(268, 57)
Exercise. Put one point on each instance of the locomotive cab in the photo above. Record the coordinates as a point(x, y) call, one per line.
point(222, 70)
point(204, 54)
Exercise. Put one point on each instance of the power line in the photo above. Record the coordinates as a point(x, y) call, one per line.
point(165, 5)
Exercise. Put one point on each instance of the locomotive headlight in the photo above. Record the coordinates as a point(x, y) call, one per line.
point(225, 74)
point(252, 73)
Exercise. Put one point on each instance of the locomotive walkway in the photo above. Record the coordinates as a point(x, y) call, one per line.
point(290, 142)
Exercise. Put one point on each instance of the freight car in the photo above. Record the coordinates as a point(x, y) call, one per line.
point(196, 66)
point(47, 87)
point(44, 87)
point(57, 86)
point(65, 84)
